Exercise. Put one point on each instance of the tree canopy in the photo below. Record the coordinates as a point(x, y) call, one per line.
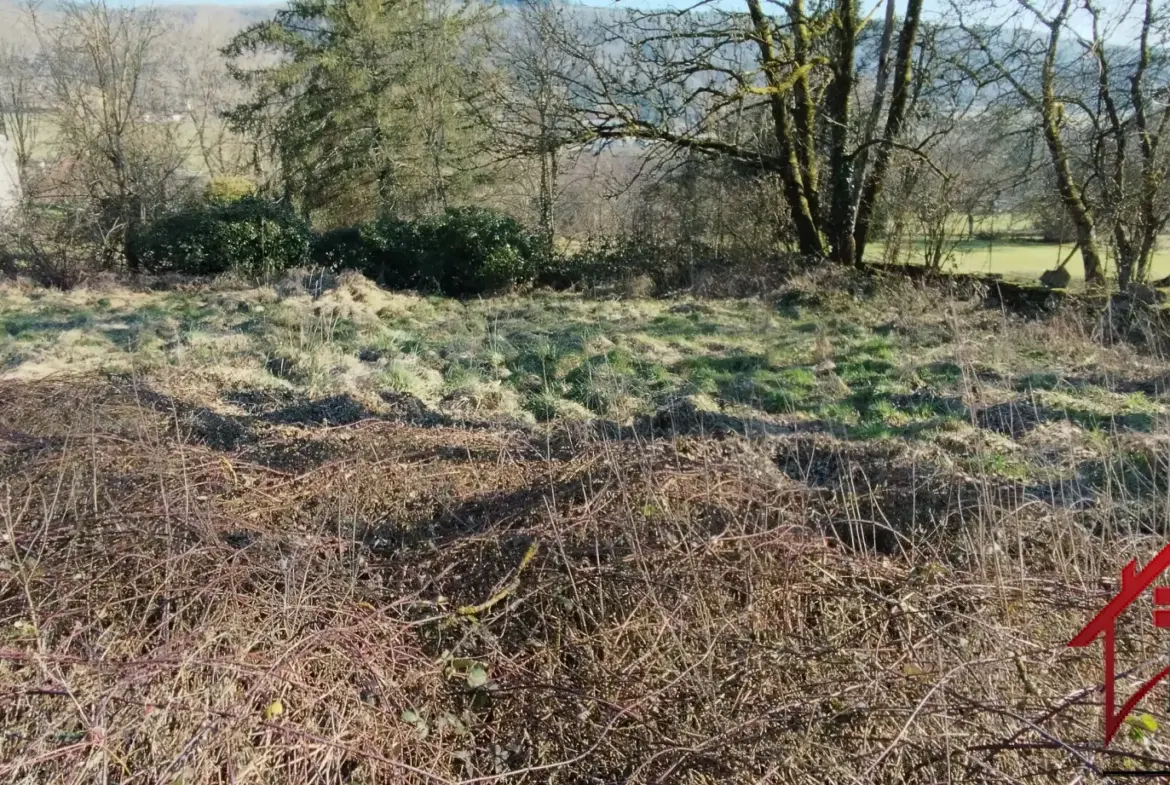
point(359, 100)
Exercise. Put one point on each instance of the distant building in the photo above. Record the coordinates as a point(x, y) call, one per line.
point(10, 192)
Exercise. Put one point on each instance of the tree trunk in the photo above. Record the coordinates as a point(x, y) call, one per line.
point(805, 111)
point(808, 235)
point(861, 165)
point(804, 216)
point(1128, 265)
point(899, 101)
point(1127, 252)
point(1148, 223)
point(840, 225)
point(1052, 113)
point(545, 205)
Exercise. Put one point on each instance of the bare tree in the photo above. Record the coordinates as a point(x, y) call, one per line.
point(673, 77)
point(20, 112)
point(1103, 137)
point(969, 145)
point(109, 96)
point(1133, 183)
point(210, 92)
point(527, 103)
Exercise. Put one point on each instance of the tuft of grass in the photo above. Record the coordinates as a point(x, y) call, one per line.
point(485, 399)
point(608, 385)
point(547, 406)
point(408, 376)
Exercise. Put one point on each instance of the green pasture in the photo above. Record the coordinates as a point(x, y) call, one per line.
point(1020, 260)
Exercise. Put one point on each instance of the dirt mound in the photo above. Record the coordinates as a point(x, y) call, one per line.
point(435, 603)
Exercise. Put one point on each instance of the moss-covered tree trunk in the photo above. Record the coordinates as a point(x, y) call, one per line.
point(1052, 114)
point(546, 199)
point(805, 216)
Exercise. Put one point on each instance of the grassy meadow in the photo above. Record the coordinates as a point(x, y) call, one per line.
point(1022, 261)
point(1017, 253)
point(854, 368)
point(320, 532)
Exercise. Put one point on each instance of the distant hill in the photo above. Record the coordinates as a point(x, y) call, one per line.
point(198, 25)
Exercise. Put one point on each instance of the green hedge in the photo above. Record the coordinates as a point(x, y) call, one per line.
point(608, 260)
point(462, 251)
point(350, 247)
point(250, 236)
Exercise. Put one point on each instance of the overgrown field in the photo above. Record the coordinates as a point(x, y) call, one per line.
point(320, 532)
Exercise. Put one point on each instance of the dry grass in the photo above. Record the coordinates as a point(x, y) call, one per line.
point(309, 533)
point(307, 592)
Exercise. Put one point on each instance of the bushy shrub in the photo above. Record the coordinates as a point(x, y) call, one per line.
point(463, 251)
point(250, 236)
point(55, 246)
point(350, 247)
point(611, 260)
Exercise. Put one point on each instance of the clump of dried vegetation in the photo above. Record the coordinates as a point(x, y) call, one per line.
point(264, 585)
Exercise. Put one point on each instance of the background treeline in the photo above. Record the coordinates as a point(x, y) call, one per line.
point(464, 147)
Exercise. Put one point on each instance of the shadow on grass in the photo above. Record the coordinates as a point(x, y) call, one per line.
point(122, 327)
point(250, 435)
point(1152, 386)
point(38, 324)
point(1017, 418)
point(1128, 482)
point(245, 434)
point(875, 494)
